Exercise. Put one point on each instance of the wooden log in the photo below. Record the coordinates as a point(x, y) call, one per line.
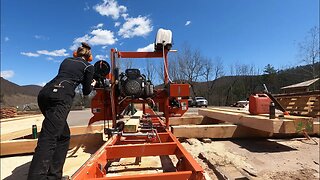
point(217, 131)
point(8, 112)
point(23, 146)
point(262, 123)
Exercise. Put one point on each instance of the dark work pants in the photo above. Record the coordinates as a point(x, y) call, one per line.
point(53, 141)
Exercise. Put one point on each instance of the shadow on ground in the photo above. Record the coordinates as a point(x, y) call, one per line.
point(20, 172)
point(262, 146)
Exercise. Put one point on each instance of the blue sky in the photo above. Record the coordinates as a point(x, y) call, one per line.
point(37, 35)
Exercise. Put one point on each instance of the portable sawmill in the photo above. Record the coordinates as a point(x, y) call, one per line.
point(117, 92)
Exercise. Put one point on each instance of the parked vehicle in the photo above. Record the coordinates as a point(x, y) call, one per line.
point(198, 102)
point(191, 102)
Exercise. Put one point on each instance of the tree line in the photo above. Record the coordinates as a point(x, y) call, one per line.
point(208, 76)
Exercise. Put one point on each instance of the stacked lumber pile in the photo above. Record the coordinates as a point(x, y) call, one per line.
point(235, 123)
point(305, 103)
point(8, 112)
point(13, 143)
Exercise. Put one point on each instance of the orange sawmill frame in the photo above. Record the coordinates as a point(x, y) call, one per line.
point(165, 142)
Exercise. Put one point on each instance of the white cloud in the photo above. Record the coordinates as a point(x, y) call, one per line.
point(86, 8)
point(60, 52)
point(98, 26)
point(149, 48)
point(102, 37)
point(187, 23)
point(41, 37)
point(30, 54)
point(110, 8)
point(49, 58)
point(56, 61)
point(116, 24)
point(7, 74)
point(101, 57)
point(139, 26)
point(96, 37)
point(77, 41)
point(6, 39)
point(125, 15)
point(37, 36)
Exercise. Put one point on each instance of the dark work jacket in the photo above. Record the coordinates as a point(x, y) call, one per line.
point(72, 72)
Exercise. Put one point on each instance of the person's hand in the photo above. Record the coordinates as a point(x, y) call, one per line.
point(94, 82)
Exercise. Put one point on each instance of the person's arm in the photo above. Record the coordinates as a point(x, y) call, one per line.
point(87, 80)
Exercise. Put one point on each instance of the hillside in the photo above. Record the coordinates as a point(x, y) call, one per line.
point(15, 95)
point(222, 91)
point(229, 89)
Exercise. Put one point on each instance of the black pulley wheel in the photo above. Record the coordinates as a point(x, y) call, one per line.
point(101, 69)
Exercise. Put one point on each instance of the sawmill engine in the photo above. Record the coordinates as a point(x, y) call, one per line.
point(134, 84)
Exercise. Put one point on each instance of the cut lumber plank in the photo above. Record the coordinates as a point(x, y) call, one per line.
point(22, 146)
point(21, 117)
point(132, 125)
point(197, 119)
point(20, 128)
point(17, 134)
point(217, 131)
point(78, 130)
point(245, 111)
point(258, 122)
point(186, 120)
point(18, 146)
point(75, 130)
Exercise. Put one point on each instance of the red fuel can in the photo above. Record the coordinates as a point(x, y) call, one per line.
point(259, 104)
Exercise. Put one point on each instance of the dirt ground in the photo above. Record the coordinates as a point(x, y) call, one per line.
point(274, 159)
point(254, 158)
point(261, 158)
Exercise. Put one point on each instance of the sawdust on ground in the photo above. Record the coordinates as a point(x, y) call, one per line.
point(262, 158)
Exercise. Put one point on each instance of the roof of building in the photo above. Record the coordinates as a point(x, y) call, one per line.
point(302, 84)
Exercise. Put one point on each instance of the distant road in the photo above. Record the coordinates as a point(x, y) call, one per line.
point(82, 117)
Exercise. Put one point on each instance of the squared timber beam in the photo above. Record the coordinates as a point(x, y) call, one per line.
point(217, 131)
point(263, 123)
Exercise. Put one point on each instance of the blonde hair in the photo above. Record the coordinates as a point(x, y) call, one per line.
point(83, 52)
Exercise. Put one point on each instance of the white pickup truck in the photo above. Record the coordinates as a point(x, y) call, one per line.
point(198, 102)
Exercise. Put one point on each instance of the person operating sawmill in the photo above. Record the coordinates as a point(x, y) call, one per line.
point(55, 100)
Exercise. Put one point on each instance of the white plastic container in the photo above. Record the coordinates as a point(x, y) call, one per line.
point(163, 39)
